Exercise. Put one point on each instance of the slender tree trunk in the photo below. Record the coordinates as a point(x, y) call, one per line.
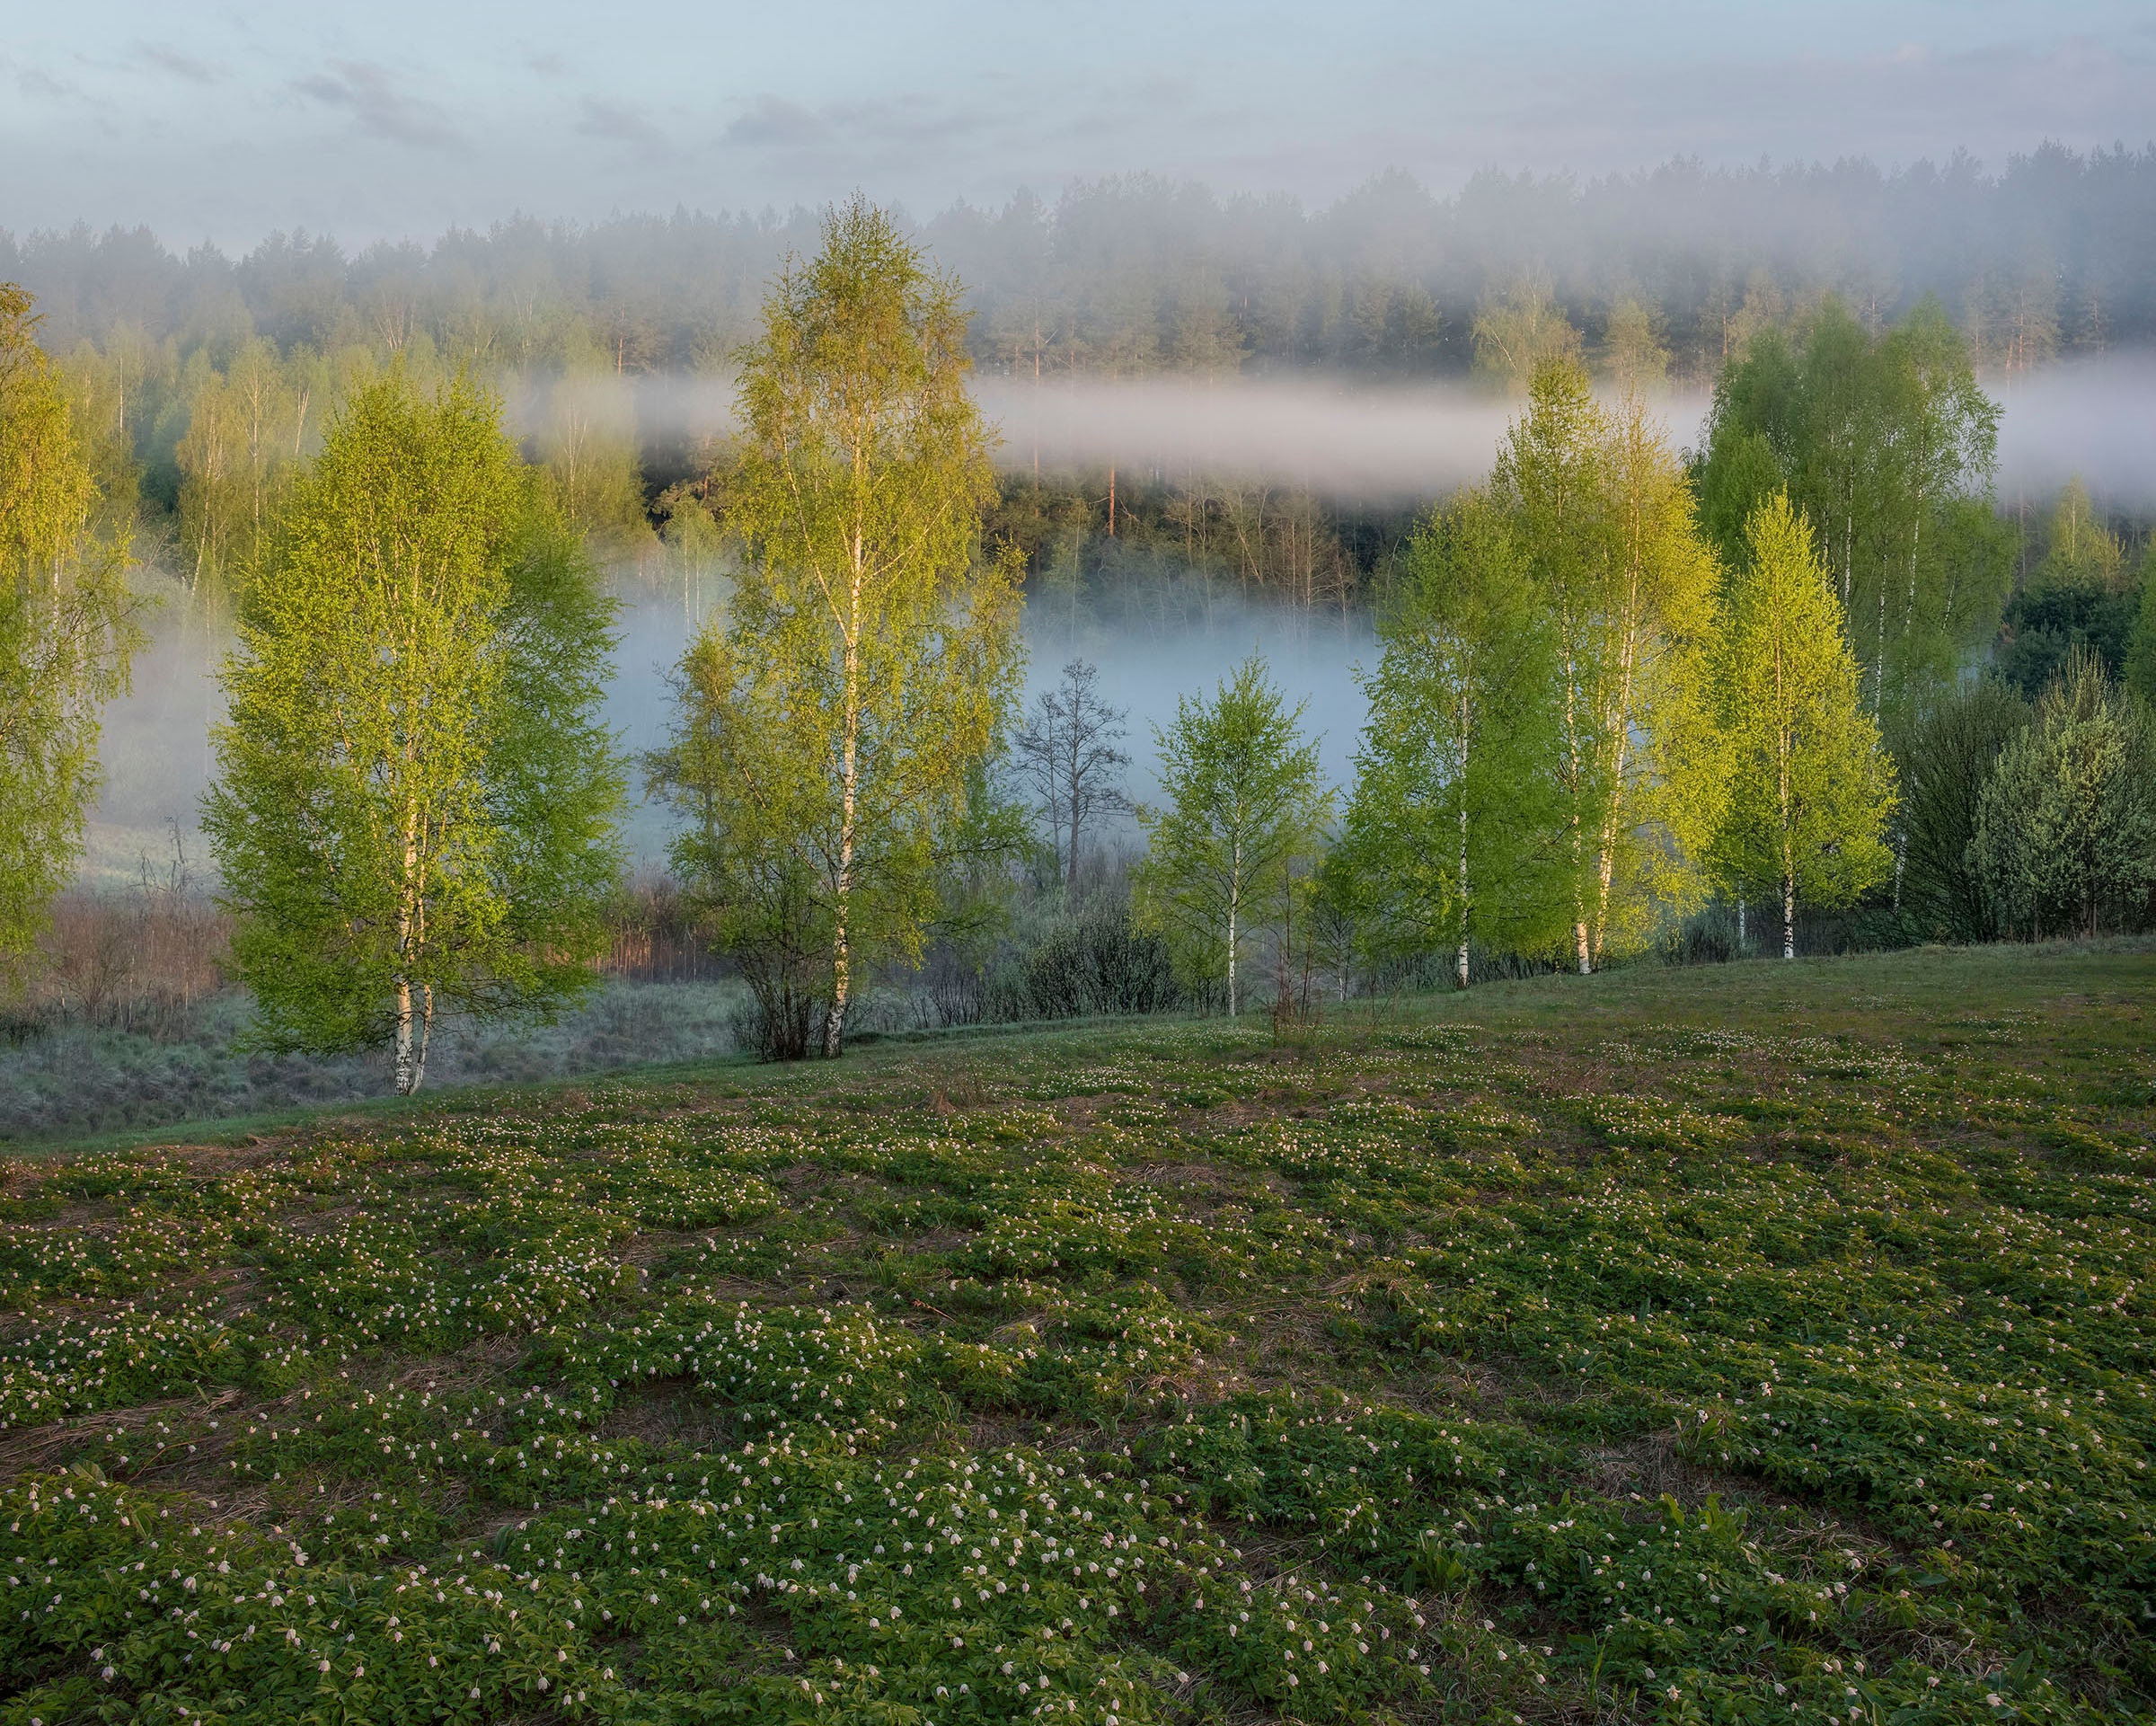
point(1231, 1003)
point(411, 1028)
point(1573, 772)
point(1465, 904)
point(1784, 745)
point(411, 1056)
point(849, 791)
point(1070, 872)
point(1878, 680)
point(1740, 923)
point(1619, 725)
point(1234, 909)
point(1602, 903)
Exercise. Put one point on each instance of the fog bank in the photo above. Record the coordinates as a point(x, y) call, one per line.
point(1365, 443)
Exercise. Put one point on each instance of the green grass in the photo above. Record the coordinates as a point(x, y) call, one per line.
point(74, 1084)
point(1763, 1343)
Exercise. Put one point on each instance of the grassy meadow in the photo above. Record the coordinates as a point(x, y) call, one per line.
point(1752, 1342)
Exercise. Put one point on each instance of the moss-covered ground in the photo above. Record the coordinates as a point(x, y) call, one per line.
point(1763, 1342)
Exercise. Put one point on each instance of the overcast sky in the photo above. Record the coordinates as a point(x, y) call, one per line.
point(398, 117)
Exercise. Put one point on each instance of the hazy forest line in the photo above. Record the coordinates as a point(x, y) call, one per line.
point(2054, 254)
point(204, 382)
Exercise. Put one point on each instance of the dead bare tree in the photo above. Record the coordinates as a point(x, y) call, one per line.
point(1067, 755)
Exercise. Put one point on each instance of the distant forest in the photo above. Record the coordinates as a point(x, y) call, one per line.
point(2056, 254)
point(204, 382)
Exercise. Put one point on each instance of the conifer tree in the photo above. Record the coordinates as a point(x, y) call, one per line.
point(2066, 826)
point(1945, 761)
point(1809, 789)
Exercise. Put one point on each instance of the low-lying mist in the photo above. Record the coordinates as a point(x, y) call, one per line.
point(1161, 635)
point(1362, 442)
point(1156, 634)
point(1180, 634)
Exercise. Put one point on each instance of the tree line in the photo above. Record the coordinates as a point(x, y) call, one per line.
point(202, 385)
point(2051, 253)
point(1614, 683)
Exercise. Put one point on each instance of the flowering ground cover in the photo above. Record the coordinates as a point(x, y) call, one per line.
point(1755, 1343)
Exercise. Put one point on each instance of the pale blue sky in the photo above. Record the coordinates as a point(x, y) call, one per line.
point(397, 118)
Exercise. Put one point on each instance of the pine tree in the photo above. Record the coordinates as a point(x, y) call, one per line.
point(1946, 760)
point(1809, 789)
point(2066, 827)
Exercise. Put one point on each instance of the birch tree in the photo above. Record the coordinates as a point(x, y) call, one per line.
point(1445, 837)
point(1888, 446)
point(870, 655)
point(1596, 500)
point(1245, 804)
point(68, 629)
point(1810, 791)
point(415, 804)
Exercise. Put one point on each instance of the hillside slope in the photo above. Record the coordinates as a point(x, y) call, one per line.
point(1759, 1342)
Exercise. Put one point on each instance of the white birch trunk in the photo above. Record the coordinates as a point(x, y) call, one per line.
point(412, 1028)
point(849, 773)
point(1465, 904)
point(1234, 906)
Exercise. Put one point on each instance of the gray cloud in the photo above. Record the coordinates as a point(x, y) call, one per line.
point(775, 123)
point(378, 108)
point(871, 128)
point(620, 122)
point(34, 81)
point(163, 58)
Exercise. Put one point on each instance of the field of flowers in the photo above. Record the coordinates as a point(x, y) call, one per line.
point(1739, 1344)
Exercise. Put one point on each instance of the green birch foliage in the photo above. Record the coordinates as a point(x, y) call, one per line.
point(1887, 444)
point(1606, 517)
point(1809, 789)
point(2066, 829)
point(1245, 806)
point(415, 803)
point(69, 629)
point(1446, 836)
point(870, 657)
